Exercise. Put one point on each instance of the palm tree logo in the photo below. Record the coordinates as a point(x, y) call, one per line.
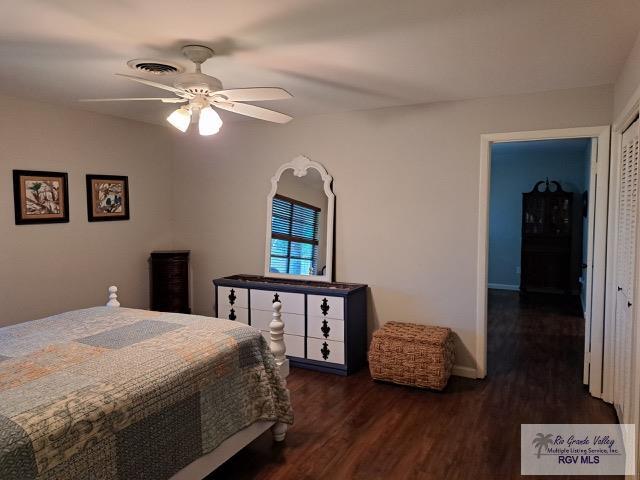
point(541, 441)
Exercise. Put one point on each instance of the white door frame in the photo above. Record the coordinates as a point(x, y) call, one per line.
point(592, 187)
point(602, 133)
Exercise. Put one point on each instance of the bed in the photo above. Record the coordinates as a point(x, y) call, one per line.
point(117, 393)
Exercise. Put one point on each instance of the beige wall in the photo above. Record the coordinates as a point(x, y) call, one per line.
point(47, 269)
point(628, 80)
point(406, 184)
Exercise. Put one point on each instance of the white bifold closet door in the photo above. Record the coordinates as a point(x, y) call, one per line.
point(625, 273)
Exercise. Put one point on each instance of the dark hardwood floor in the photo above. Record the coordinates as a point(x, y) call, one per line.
point(354, 428)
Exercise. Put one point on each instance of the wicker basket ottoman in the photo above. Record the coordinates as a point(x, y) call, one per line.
point(411, 354)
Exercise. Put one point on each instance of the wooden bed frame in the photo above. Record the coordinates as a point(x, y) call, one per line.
point(206, 464)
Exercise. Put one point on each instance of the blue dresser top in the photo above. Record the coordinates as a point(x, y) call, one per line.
point(286, 285)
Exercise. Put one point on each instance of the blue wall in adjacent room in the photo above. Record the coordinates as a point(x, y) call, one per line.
point(515, 168)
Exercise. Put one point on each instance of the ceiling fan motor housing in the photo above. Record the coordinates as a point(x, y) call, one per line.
point(198, 83)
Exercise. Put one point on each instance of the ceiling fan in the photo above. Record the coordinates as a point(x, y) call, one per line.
point(201, 92)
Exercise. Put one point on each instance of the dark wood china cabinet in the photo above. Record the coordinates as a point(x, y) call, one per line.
point(547, 242)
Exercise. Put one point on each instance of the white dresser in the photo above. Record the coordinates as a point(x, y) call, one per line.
point(325, 323)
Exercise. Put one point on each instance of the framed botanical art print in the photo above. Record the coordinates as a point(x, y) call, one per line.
point(40, 197)
point(107, 198)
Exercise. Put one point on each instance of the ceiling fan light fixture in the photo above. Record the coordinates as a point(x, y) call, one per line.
point(210, 122)
point(180, 118)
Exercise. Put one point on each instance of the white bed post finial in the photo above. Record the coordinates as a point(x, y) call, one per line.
point(113, 297)
point(276, 328)
point(279, 349)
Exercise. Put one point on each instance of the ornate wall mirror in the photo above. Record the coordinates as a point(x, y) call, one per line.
point(300, 206)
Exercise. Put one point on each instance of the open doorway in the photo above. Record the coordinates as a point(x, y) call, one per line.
point(586, 286)
point(538, 256)
point(538, 217)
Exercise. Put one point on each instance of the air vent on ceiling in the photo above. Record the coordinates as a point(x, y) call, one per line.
point(156, 67)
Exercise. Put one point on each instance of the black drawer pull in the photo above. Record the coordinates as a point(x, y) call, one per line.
point(619, 289)
point(325, 306)
point(232, 314)
point(276, 298)
point(325, 328)
point(325, 350)
point(232, 297)
point(629, 304)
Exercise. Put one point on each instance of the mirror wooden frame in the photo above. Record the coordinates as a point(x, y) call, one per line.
point(300, 165)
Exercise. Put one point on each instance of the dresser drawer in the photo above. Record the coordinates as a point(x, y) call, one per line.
point(238, 314)
point(293, 322)
point(291, 302)
point(293, 343)
point(325, 328)
point(325, 350)
point(325, 306)
point(233, 297)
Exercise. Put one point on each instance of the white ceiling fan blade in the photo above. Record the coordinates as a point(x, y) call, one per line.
point(150, 83)
point(163, 100)
point(254, 94)
point(253, 111)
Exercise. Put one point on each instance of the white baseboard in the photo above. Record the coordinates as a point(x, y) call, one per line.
point(503, 286)
point(460, 371)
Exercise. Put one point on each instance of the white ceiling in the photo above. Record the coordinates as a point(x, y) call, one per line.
point(332, 55)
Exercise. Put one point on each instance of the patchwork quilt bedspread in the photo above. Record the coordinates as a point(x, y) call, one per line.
point(117, 393)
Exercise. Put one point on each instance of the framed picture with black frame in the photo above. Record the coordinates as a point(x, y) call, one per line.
point(107, 198)
point(40, 197)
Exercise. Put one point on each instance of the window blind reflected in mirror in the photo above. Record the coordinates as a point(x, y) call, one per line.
point(294, 237)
